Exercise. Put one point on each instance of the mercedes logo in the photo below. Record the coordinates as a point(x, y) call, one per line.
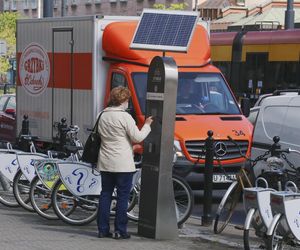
point(220, 149)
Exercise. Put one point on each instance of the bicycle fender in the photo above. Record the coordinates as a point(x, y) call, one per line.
point(229, 190)
point(271, 228)
point(249, 218)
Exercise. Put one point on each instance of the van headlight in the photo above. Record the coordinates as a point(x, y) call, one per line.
point(178, 155)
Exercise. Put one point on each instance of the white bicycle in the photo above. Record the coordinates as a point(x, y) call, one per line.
point(284, 230)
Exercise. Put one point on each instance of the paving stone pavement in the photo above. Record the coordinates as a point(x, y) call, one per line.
point(21, 230)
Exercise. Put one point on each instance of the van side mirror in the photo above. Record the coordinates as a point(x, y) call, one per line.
point(245, 106)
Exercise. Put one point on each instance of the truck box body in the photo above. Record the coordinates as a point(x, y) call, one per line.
point(60, 72)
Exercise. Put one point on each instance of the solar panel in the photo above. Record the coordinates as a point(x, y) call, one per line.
point(165, 30)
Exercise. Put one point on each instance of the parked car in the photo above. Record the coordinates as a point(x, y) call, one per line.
point(278, 116)
point(8, 117)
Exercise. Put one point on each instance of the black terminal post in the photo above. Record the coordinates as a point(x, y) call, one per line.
point(62, 129)
point(275, 147)
point(208, 179)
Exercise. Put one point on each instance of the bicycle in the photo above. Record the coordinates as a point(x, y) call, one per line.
point(79, 187)
point(244, 179)
point(9, 167)
point(284, 230)
point(47, 174)
point(26, 172)
point(259, 214)
point(7, 171)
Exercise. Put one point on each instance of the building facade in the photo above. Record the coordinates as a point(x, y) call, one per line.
point(30, 8)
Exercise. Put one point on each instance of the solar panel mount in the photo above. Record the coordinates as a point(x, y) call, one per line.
point(165, 30)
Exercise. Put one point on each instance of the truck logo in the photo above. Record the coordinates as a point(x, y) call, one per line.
point(220, 149)
point(34, 69)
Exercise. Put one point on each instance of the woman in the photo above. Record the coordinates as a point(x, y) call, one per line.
point(118, 131)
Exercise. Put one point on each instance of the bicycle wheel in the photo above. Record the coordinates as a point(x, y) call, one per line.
point(40, 198)
point(254, 237)
point(7, 197)
point(184, 199)
point(226, 207)
point(21, 187)
point(73, 210)
point(133, 204)
point(281, 239)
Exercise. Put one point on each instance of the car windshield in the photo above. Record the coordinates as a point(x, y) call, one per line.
point(197, 93)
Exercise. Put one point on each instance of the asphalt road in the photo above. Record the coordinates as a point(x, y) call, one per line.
point(21, 230)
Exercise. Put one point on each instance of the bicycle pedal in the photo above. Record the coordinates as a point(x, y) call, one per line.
point(238, 227)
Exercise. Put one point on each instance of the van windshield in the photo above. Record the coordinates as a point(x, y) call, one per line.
point(197, 93)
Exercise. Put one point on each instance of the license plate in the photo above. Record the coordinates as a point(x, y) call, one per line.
point(222, 178)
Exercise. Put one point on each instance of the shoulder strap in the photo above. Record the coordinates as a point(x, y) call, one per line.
point(97, 122)
point(95, 130)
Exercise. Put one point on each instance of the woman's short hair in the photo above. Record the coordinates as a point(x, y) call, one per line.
point(118, 95)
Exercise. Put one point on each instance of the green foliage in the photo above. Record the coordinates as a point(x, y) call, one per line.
point(7, 33)
point(173, 6)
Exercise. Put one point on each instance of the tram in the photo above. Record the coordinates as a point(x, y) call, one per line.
point(256, 62)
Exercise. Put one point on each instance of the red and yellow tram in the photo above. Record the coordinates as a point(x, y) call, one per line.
point(257, 62)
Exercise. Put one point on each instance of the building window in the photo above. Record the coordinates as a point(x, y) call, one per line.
point(25, 4)
point(6, 5)
point(88, 2)
point(13, 5)
point(34, 4)
point(73, 3)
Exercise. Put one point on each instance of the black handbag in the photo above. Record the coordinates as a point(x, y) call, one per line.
point(92, 145)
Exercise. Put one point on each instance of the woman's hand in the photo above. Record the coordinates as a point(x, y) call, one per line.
point(149, 120)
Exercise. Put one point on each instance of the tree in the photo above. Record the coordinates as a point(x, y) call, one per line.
point(7, 33)
point(173, 6)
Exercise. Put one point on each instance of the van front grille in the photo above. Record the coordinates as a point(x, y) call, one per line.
point(224, 150)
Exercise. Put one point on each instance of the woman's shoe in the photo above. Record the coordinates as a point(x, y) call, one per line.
point(118, 235)
point(105, 235)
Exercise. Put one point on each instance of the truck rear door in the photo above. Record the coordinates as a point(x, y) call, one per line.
point(62, 95)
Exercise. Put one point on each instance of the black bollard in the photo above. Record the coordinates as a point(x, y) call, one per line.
point(62, 127)
point(25, 125)
point(275, 146)
point(208, 179)
point(23, 144)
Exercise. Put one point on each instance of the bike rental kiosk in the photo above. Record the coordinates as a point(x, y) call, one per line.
point(165, 31)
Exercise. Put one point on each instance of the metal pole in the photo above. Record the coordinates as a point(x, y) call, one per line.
point(48, 8)
point(196, 4)
point(208, 181)
point(63, 8)
point(40, 9)
point(289, 15)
